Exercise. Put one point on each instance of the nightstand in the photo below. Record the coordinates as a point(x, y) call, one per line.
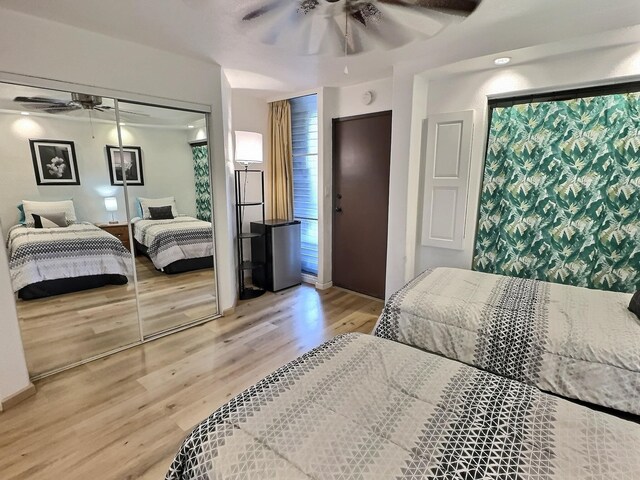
point(118, 230)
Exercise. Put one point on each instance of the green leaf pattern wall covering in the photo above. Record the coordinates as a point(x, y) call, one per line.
point(561, 193)
point(203, 184)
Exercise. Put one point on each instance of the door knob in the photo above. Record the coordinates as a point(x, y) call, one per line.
point(339, 209)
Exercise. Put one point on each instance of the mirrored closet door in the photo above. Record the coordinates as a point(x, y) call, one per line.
point(106, 213)
point(73, 279)
point(171, 224)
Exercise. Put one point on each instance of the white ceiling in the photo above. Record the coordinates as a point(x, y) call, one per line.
point(212, 30)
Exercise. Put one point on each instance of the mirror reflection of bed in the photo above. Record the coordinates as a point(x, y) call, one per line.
point(174, 263)
point(92, 269)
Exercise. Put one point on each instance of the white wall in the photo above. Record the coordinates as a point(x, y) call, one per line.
point(166, 158)
point(43, 53)
point(349, 99)
point(471, 90)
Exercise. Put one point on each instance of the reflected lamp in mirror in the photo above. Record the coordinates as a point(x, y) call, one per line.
point(248, 147)
point(111, 204)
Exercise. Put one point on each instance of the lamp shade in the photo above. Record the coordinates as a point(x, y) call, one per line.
point(111, 204)
point(248, 147)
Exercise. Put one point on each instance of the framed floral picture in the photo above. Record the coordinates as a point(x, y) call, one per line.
point(54, 162)
point(127, 164)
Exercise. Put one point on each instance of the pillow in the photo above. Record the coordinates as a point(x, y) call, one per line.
point(634, 305)
point(50, 220)
point(43, 208)
point(138, 208)
point(161, 213)
point(21, 218)
point(145, 203)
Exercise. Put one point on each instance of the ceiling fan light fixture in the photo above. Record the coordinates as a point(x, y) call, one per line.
point(502, 61)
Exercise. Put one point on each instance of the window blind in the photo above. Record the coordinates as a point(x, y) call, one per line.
point(304, 133)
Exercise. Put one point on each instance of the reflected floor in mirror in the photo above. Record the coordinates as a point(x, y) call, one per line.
point(61, 330)
point(169, 301)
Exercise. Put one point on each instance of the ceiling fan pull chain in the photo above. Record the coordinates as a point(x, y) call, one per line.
point(346, 40)
point(91, 122)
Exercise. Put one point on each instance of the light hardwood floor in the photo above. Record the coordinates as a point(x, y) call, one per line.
point(65, 329)
point(123, 417)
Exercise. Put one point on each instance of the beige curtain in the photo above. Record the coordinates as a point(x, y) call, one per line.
point(280, 161)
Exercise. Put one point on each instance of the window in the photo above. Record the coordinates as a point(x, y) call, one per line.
point(304, 132)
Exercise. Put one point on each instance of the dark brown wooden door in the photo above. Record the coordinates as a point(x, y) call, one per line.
point(361, 162)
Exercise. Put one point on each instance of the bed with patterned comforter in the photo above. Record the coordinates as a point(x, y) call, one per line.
point(79, 250)
point(170, 241)
point(571, 341)
point(364, 407)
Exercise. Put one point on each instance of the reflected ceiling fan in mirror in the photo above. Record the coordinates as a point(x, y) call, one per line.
point(79, 101)
point(337, 27)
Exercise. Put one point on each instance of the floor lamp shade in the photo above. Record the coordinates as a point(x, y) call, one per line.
point(248, 147)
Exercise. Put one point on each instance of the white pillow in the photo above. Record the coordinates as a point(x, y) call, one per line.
point(41, 208)
point(145, 203)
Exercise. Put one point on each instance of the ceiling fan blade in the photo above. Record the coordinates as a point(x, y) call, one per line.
point(108, 108)
point(355, 39)
point(268, 7)
point(51, 101)
point(326, 37)
point(425, 23)
point(280, 22)
point(456, 7)
point(69, 108)
point(388, 33)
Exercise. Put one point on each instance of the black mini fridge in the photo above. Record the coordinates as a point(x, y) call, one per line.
point(283, 267)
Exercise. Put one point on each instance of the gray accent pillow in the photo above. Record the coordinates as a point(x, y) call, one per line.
point(50, 220)
point(161, 213)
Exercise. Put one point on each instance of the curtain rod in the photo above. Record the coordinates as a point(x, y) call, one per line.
point(559, 95)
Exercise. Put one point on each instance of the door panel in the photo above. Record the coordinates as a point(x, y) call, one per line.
point(447, 160)
point(361, 162)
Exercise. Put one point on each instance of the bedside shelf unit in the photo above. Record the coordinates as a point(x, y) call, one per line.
point(118, 230)
point(244, 292)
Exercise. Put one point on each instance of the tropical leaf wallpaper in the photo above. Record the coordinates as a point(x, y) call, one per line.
point(203, 184)
point(560, 198)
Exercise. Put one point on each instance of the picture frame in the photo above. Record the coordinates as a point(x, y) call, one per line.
point(54, 162)
point(133, 164)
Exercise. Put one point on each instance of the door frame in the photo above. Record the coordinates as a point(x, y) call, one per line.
point(334, 122)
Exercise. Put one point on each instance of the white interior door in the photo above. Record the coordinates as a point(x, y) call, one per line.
point(447, 160)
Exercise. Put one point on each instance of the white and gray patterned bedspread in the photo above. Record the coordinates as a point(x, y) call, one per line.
point(79, 250)
point(168, 241)
point(575, 342)
point(361, 407)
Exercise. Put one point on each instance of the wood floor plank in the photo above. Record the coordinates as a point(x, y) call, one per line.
point(124, 416)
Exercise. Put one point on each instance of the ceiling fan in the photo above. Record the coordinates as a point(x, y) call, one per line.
point(79, 101)
point(353, 26)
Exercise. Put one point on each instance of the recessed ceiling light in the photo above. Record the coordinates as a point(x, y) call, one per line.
point(502, 60)
point(25, 113)
point(190, 126)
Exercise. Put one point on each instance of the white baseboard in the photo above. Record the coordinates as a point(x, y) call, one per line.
point(324, 286)
point(16, 398)
point(310, 279)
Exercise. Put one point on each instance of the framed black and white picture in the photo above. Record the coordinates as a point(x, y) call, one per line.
point(129, 164)
point(54, 162)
